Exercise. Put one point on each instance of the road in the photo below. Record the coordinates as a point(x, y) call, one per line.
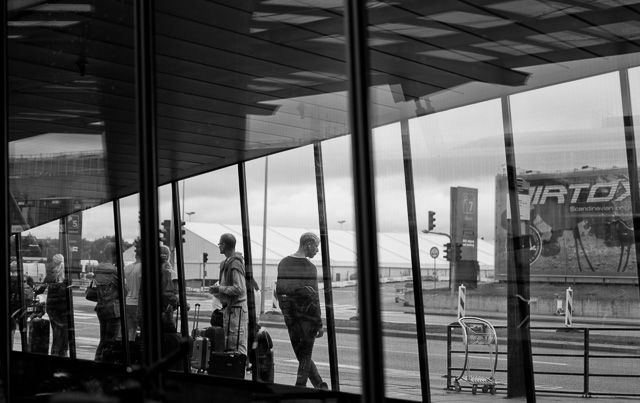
point(401, 354)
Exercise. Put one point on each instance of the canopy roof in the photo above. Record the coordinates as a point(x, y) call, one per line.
point(240, 79)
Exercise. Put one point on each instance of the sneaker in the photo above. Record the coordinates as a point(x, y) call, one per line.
point(322, 385)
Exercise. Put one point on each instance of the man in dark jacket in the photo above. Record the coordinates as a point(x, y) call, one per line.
point(297, 293)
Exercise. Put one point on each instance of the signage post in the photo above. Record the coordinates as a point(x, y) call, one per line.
point(434, 252)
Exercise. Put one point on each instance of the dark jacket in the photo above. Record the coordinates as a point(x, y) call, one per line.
point(107, 284)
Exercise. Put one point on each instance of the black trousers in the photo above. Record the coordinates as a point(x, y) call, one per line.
point(302, 334)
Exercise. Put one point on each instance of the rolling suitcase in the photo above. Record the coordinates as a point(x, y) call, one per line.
point(172, 342)
point(215, 334)
point(230, 364)
point(264, 346)
point(266, 368)
point(201, 346)
point(38, 335)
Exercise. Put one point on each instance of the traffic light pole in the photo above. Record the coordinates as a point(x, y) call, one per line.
point(205, 259)
point(451, 271)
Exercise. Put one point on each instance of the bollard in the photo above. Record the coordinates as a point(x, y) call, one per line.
point(462, 295)
point(568, 311)
point(559, 305)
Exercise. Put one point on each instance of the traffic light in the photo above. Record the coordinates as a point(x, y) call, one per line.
point(432, 220)
point(447, 252)
point(165, 232)
point(163, 236)
point(205, 257)
point(182, 231)
point(458, 252)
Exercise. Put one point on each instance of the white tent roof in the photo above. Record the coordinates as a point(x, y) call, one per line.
point(393, 249)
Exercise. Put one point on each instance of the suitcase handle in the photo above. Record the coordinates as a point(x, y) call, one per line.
point(197, 315)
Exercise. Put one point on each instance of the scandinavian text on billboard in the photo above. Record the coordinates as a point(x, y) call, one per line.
point(580, 223)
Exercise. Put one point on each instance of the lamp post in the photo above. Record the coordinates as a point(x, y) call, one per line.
point(341, 222)
point(189, 214)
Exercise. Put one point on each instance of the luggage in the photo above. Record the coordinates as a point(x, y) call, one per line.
point(201, 346)
point(266, 368)
point(230, 364)
point(264, 353)
point(38, 335)
point(170, 343)
point(215, 334)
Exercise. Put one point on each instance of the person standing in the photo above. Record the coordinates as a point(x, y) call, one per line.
point(170, 295)
point(133, 278)
point(19, 302)
point(57, 306)
point(232, 292)
point(297, 293)
point(108, 306)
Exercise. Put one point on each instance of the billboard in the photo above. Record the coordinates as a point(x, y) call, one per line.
point(580, 223)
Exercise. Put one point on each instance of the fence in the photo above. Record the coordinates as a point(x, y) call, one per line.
point(582, 352)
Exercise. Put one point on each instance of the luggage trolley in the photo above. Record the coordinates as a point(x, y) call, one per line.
point(478, 331)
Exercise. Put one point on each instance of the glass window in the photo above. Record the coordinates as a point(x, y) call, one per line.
point(461, 79)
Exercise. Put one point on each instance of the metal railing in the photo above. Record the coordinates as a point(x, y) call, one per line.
point(582, 349)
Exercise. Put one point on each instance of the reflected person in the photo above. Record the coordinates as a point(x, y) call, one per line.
point(297, 293)
point(108, 306)
point(57, 305)
point(170, 296)
point(133, 278)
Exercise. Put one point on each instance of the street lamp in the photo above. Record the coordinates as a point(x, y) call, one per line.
point(341, 222)
point(189, 214)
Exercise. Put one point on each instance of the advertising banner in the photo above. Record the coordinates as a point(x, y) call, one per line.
point(580, 224)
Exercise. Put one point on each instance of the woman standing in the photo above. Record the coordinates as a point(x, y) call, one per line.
point(57, 306)
point(108, 306)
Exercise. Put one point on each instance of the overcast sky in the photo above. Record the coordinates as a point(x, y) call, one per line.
point(558, 128)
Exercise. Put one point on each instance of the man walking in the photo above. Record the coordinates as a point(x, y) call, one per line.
point(297, 293)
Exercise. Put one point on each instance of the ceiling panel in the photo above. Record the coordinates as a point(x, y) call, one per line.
point(240, 79)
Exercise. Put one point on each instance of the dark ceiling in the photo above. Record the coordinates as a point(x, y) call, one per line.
point(241, 79)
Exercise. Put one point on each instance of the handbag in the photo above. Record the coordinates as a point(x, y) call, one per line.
point(216, 318)
point(91, 293)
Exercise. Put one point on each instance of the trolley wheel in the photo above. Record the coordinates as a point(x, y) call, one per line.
point(493, 390)
point(456, 386)
point(474, 389)
point(485, 388)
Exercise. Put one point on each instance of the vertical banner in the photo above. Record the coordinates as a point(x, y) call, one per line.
point(73, 227)
point(464, 236)
point(464, 221)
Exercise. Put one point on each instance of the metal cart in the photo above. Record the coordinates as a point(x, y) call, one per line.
point(478, 331)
